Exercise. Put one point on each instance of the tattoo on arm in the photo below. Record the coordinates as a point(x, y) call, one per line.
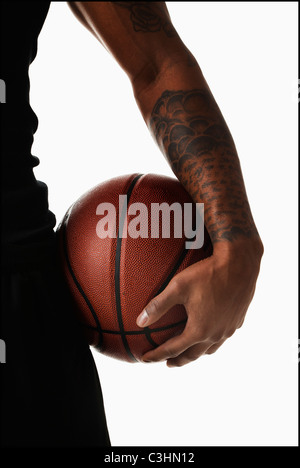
point(146, 17)
point(191, 132)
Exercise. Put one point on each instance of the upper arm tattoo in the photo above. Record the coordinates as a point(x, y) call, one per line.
point(192, 133)
point(146, 17)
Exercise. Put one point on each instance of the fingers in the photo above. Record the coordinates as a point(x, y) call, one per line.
point(209, 324)
point(213, 348)
point(160, 305)
point(176, 356)
point(170, 349)
point(194, 353)
point(190, 355)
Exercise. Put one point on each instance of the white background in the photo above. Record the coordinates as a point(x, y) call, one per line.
point(90, 130)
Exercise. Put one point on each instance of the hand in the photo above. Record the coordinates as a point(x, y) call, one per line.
point(216, 294)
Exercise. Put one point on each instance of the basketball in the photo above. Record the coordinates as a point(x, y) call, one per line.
point(115, 261)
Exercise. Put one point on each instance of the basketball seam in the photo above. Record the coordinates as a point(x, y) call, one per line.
point(138, 332)
point(117, 272)
point(146, 331)
point(79, 287)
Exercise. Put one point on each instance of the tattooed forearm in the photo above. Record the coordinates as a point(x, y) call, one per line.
point(194, 137)
point(147, 17)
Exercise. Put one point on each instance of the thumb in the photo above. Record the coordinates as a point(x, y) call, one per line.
point(159, 305)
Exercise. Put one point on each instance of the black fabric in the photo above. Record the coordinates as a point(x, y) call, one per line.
point(24, 200)
point(50, 389)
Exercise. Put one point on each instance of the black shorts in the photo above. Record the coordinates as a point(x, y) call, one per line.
point(50, 390)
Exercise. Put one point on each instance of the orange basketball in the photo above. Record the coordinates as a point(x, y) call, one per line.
point(115, 261)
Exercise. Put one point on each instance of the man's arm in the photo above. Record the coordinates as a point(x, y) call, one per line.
point(182, 115)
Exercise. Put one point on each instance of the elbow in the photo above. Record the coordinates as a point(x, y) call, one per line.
point(171, 73)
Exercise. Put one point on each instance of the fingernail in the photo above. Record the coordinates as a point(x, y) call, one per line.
point(142, 319)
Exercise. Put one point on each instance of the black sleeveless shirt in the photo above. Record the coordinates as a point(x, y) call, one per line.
point(25, 217)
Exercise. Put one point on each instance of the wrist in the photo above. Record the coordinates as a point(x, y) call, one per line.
point(241, 251)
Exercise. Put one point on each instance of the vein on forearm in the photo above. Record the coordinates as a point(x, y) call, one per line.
point(190, 130)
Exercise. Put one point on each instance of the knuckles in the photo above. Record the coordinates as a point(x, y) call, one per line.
point(171, 353)
point(176, 287)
